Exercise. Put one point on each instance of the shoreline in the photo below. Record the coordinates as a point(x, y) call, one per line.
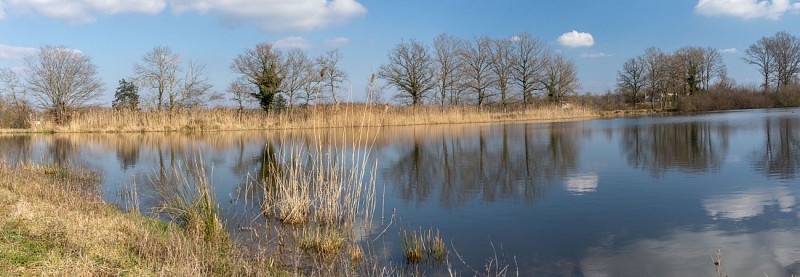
point(54, 222)
point(209, 121)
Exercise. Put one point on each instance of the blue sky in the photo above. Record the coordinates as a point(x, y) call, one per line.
point(116, 33)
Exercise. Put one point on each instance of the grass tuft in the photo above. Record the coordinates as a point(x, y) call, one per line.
point(423, 244)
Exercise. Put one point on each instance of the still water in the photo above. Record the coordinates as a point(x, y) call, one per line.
point(649, 196)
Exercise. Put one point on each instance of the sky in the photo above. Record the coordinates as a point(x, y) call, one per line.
point(597, 35)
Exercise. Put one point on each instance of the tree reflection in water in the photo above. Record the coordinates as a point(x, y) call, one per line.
point(780, 156)
point(16, 148)
point(691, 147)
point(490, 162)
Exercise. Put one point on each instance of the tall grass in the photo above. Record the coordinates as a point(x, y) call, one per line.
point(108, 120)
point(188, 198)
point(322, 185)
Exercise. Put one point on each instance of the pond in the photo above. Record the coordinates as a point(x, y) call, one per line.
point(647, 196)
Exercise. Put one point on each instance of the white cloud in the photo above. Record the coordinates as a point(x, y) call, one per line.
point(746, 9)
point(592, 55)
point(582, 183)
point(576, 39)
point(337, 41)
point(728, 51)
point(8, 52)
point(278, 15)
point(85, 11)
point(747, 204)
point(292, 42)
point(271, 15)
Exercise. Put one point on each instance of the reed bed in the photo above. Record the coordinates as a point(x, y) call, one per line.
point(108, 120)
point(325, 190)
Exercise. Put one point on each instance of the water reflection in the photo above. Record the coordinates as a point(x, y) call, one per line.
point(489, 162)
point(749, 203)
point(16, 148)
point(646, 197)
point(690, 147)
point(582, 183)
point(688, 253)
point(780, 155)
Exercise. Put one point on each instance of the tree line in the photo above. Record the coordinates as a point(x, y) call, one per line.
point(58, 79)
point(661, 78)
point(479, 71)
point(449, 71)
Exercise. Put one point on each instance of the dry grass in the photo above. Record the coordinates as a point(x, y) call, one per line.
point(188, 198)
point(322, 188)
point(108, 120)
point(52, 222)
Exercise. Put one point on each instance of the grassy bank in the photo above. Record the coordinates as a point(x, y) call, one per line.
point(107, 120)
point(53, 222)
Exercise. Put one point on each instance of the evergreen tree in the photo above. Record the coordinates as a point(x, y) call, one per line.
point(126, 96)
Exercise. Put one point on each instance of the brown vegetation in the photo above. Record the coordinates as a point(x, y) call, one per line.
point(108, 120)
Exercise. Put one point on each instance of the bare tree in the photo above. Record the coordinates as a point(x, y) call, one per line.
point(631, 79)
point(332, 75)
point(560, 78)
point(263, 69)
point(675, 77)
point(14, 106)
point(654, 61)
point(11, 86)
point(713, 67)
point(759, 54)
point(60, 79)
point(528, 64)
point(477, 60)
point(159, 70)
point(447, 65)
point(312, 87)
point(239, 93)
point(297, 75)
point(785, 51)
point(410, 70)
point(194, 88)
point(502, 66)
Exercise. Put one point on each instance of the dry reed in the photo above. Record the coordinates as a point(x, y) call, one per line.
point(108, 120)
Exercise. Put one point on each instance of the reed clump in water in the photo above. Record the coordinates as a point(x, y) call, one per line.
point(323, 187)
point(423, 244)
point(189, 200)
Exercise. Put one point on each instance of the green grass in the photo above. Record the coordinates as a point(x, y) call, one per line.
point(51, 224)
point(20, 248)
